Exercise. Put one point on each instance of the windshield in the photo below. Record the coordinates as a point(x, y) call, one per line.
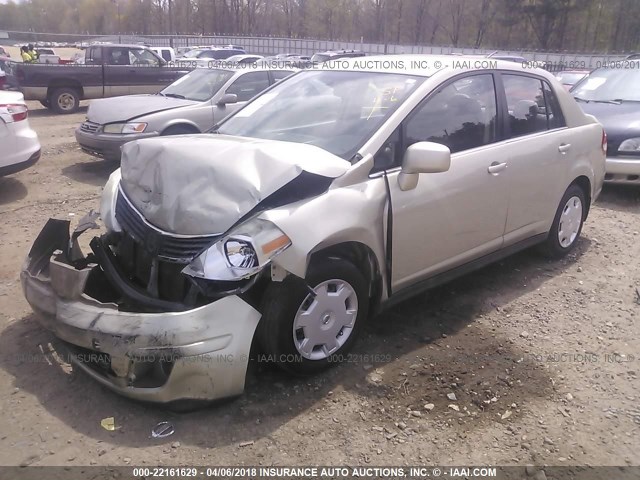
point(334, 110)
point(608, 84)
point(192, 54)
point(198, 85)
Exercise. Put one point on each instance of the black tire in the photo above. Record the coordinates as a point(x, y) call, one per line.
point(552, 247)
point(64, 100)
point(281, 303)
point(45, 103)
point(179, 130)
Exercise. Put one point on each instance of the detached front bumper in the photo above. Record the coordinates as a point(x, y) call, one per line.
point(199, 354)
point(107, 145)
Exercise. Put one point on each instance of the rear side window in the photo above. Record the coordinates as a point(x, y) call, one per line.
point(95, 56)
point(532, 105)
point(249, 85)
point(462, 115)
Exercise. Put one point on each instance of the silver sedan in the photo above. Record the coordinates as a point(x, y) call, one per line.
point(191, 104)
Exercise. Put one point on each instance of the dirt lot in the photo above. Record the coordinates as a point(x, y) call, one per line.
point(542, 357)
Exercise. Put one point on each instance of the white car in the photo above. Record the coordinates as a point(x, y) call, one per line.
point(20, 145)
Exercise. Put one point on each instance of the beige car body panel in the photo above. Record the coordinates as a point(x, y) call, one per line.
point(449, 219)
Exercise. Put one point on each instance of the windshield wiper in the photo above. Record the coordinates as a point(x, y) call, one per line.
point(616, 101)
point(174, 95)
point(580, 99)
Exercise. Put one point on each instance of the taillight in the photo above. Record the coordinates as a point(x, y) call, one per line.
point(604, 141)
point(13, 112)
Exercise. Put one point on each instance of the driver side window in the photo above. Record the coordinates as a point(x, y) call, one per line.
point(462, 115)
point(249, 85)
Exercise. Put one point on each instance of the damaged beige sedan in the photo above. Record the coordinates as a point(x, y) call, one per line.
point(332, 195)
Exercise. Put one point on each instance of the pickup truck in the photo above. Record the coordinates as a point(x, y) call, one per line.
point(108, 71)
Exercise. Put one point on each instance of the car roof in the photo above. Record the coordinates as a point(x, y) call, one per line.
point(120, 45)
point(245, 68)
point(339, 52)
point(424, 65)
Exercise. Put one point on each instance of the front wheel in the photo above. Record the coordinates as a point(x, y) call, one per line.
point(307, 325)
point(567, 223)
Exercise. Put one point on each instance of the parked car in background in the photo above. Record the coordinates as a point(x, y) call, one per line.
point(332, 195)
point(109, 70)
point(192, 104)
point(568, 78)
point(335, 55)
point(202, 56)
point(243, 59)
point(612, 95)
point(508, 58)
point(168, 54)
point(18, 142)
point(233, 47)
point(285, 61)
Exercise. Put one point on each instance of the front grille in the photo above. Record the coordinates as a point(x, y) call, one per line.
point(166, 246)
point(90, 127)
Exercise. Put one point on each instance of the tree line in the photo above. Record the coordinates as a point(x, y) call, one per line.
point(553, 25)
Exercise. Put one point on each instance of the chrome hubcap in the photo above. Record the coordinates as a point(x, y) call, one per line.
point(570, 221)
point(66, 101)
point(325, 320)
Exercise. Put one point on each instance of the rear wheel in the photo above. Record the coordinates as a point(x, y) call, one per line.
point(64, 100)
point(567, 224)
point(308, 325)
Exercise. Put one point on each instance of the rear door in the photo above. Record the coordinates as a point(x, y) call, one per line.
point(540, 148)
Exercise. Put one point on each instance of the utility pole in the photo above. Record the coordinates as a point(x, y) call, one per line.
point(119, 28)
point(170, 25)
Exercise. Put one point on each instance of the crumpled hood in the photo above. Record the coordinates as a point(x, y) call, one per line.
point(203, 184)
point(119, 109)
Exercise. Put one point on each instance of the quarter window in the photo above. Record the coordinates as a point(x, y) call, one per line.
point(461, 115)
point(532, 105)
point(554, 113)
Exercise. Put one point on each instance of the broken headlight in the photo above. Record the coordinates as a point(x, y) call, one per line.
point(240, 254)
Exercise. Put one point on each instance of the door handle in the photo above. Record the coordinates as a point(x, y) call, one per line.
point(496, 168)
point(564, 147)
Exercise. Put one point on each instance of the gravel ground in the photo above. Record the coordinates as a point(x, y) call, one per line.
point(524, 362)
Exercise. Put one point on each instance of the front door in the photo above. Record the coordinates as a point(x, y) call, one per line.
point(453, 217)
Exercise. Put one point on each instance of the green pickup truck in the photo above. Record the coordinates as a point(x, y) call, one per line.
point(108, 70)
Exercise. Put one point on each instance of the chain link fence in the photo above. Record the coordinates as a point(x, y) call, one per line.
point(273, 45)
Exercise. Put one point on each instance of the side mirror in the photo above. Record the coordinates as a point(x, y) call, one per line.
point(423, 157)
point(228, 98)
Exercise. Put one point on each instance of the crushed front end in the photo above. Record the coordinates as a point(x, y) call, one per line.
point(132, 320)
